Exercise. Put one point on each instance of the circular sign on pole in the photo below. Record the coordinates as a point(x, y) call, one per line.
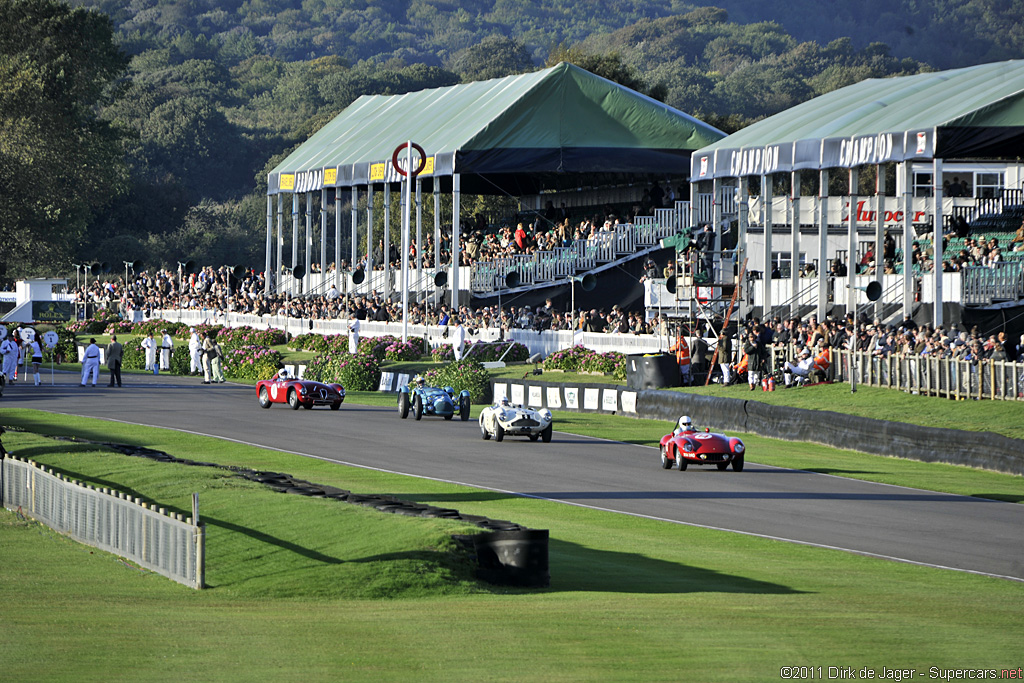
point(50, 339)
point(401, 148)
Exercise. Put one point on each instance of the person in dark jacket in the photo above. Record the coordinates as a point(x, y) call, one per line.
point(114, 354)
point(755, 358)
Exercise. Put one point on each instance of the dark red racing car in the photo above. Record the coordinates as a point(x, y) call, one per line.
point(686, 446)
point(298, 392)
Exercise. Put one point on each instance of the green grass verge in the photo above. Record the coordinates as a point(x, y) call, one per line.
point(631, 598)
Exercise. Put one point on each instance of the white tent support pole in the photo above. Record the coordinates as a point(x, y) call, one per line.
point(879, 232)
point(794, 243)
point(385, 248)
point(369, 238)
point(908, 240)
point(280, 243)
point(851, 247)
point(437, 237)
point(406, 209)
point(456, 202)
point(419, 238)
point(822, 217)
point(743, 223)
point(354, 228)
point(323, 237)
point(766, 262)
point(937, 256)
point(267, 268)
point(309, 242)
point(716, 226)
point(295, 237)
point(337, 238)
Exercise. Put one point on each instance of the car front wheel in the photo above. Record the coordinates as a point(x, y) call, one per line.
point(293, 399)
point(417, 407)
point(545, 435)
point(264, 398)
point(665, 462)
point(499, 431)
point(486, 435)
point(464, 407)
point(403, 405)
point(737, 463)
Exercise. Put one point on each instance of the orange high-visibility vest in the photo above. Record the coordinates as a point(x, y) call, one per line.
point(741, 367)
point(822, 360)
point(682, 350)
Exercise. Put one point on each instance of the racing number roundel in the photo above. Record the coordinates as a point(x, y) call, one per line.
point(419, 167)
point(702, 436)
point(273, 391)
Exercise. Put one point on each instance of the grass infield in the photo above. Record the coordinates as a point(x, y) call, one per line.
point(311, 589)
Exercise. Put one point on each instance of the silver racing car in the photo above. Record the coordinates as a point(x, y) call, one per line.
point(504, 419)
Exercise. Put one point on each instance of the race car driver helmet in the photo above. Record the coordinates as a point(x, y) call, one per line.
point(685, 423)
point(504, 401)
point(282, 373)
point(419, 380)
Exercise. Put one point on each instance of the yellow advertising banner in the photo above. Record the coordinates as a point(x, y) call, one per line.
point(330, 176)
point(377, 171)
point(286, 182)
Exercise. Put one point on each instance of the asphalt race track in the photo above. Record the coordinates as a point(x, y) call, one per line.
point(934, 529)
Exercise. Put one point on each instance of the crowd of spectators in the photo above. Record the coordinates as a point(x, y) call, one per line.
point(210, 290)
point(216, 291)
point(790, 337)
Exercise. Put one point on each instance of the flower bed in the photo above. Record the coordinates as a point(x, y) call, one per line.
point(237, 337)
point(360, 372)
point(320, 343)
point(378, 347)
point(251, 362)
point(581, 359)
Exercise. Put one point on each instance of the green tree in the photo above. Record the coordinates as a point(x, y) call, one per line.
point(59, 164)
point(493, 57)
point(608, 65)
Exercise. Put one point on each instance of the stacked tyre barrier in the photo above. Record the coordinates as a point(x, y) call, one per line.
point(506, 553)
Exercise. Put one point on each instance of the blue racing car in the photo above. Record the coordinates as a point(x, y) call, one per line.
point(423, 400)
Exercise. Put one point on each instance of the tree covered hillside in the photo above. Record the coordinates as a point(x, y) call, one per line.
point(944, 33)
point(178, 131)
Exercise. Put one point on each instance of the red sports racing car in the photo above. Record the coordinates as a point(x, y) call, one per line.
point(690, 447)
point(299, 392)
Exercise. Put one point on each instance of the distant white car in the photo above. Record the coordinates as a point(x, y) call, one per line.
point(504, 419)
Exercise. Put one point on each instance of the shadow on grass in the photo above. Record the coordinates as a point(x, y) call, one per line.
point(578, 568)
point(818, 470)
point(262, 537)
point(1004, 497)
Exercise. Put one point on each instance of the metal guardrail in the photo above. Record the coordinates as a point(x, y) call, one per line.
point(923, 375)
point(945, 377)
point(583, 255)
point(984, 285)
point(106, 519)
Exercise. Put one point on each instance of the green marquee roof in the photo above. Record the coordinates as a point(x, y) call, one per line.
point(506, 133)
point(974, 112)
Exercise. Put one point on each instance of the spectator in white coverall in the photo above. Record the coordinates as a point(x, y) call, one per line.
point(459, 340)
point(91, 363)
